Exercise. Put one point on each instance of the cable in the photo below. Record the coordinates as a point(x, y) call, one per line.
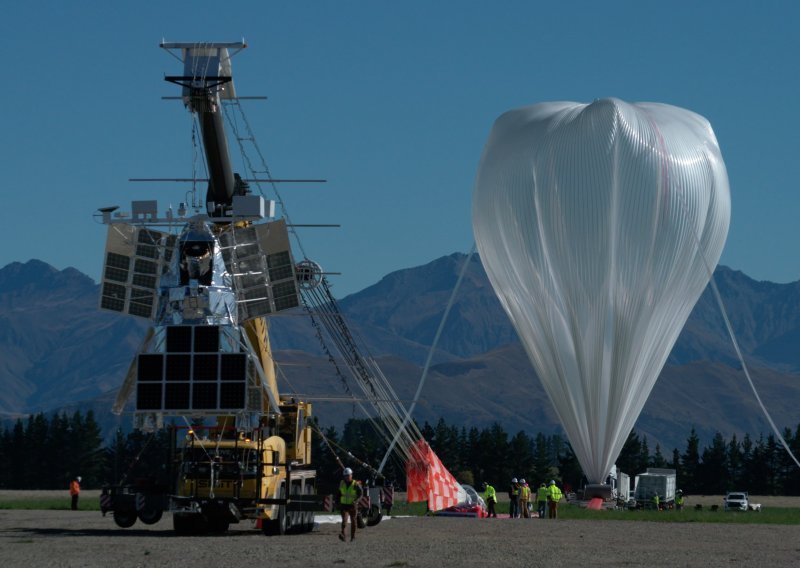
point(431, 351)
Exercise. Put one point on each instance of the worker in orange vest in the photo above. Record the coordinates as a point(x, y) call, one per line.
point(75, 491)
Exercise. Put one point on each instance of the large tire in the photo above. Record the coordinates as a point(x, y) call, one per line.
point(125, 518)
point(309, 516)
point(150, 516)
point(374, 516)
point(295, 520)
point(279, 525)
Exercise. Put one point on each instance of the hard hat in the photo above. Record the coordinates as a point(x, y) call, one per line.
point(484, 485)
point(522, 480)
point(543, 484)
point(514, 480)
point(347, 471)
point(552, 482)
point(78, 478)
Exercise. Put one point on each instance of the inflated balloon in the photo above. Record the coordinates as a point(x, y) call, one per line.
point(598, 225)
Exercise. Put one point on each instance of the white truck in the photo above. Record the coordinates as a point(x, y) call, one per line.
point(740, 501)
point(655, 482)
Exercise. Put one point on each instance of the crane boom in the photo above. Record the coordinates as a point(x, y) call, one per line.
point(206, 81)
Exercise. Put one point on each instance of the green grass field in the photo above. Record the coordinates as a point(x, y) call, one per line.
point(48, 504)
point(770, 515)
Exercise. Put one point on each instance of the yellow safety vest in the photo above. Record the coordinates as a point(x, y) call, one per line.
point(490, 493)
point(525, 493)
point(554, 493)
point(348, 493)
point(542, 493)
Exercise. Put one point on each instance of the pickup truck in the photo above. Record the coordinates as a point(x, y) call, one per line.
point(737, 501)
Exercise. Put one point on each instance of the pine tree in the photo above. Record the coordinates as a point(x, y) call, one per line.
point(37, 474)
point(644, 456)
point(714, 478)
point(735, 463)
point(16, 457)
point(521, 456)
point(5, 447)
point(542, 464)
point(658, 459)
point(493, 460)
point(628, 460)
point(676, 464)
point(690, 462)
point(772, 456)
point(570, 472)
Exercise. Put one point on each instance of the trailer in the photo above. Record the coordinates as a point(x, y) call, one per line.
point(655, 482)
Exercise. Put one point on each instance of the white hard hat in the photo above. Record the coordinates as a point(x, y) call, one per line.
point(522, 480)
point(552, 482)
point(347, 471)
point(78, 478)
point(513, 480)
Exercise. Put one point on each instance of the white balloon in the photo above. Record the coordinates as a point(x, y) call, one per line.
point(597, 225)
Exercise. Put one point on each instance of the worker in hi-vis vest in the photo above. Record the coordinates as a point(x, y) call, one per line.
point(513, 499)
point(490, 496)
point(554, 495)
point(524, 497)
point(349, 494)
point(541, 500)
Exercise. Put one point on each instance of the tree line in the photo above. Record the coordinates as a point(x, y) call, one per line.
point(46, 453)
point(491, 454)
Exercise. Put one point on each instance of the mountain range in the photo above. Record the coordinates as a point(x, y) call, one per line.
point(57, 351)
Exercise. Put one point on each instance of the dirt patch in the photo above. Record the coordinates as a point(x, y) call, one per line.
point(67, 538)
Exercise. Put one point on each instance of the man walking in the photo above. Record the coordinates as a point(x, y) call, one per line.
point(541, 500)
point(553, 497)
point(75, 491)
point(490, 496)
point(349, 494)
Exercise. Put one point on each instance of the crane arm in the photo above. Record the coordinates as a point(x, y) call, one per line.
point(206, 81)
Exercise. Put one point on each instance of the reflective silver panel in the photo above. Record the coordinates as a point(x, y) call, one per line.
point(260, 261)
point(134, 261)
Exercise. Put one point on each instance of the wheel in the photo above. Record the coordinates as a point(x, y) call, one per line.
point(295, 520)
point(374, 516)
point(150, 516)
point(279, 525)
point(125, 518)
point(309, 520)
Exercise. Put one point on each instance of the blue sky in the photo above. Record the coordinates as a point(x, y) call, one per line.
point(391, 102)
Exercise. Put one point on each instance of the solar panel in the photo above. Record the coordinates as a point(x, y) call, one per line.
point(204, 396)
point(176, 396)
point(148, 396)
point(206, 339)
point(134, 262)
point(193, 375)
point(179, 367)
point(179, 339)
point(259, 259)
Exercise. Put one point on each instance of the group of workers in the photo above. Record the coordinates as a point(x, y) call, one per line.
point(520, 497)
